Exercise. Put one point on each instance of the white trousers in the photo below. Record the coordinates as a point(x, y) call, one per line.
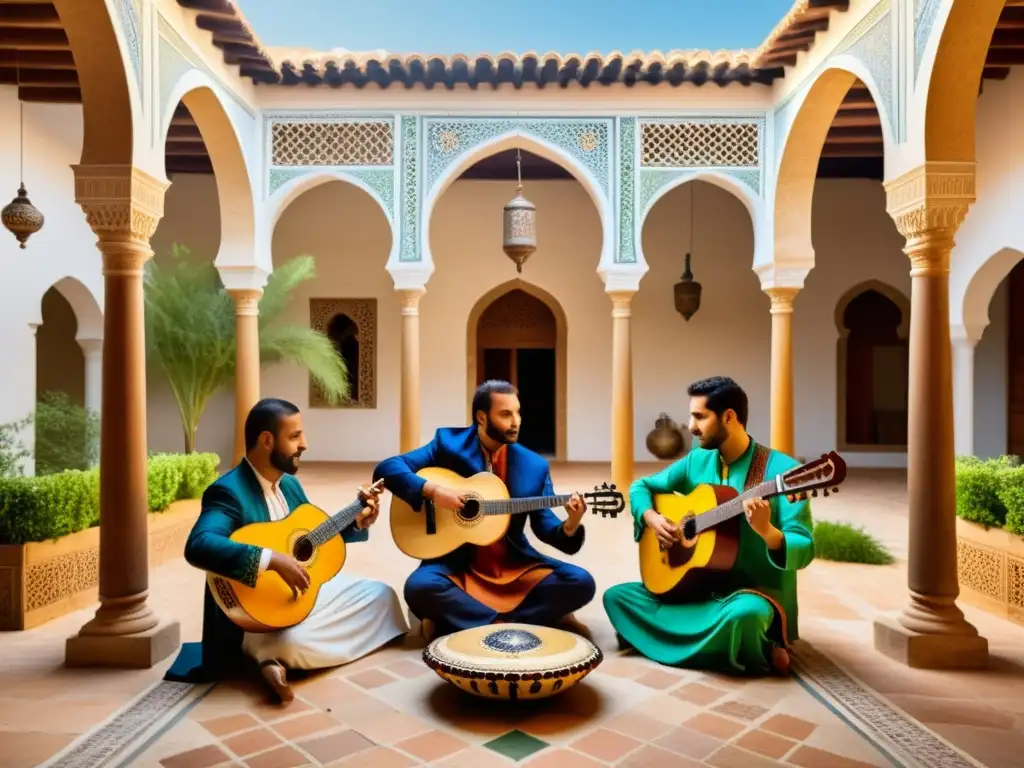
point(351, 618)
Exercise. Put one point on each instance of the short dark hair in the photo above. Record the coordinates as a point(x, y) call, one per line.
point(482, 396)
point(722, 393)
point(266, 416)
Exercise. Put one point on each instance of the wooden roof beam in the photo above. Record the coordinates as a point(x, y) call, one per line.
point(50, 95)
point(50, 78)
point(33, 39)
point(1004, 57)
point(29, 16)
point(853, 150)
point(850, 118)
point(37, 59)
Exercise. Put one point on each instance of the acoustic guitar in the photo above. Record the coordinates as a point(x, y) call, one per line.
point(309, 535)
point(435, 531)
point(708, 520)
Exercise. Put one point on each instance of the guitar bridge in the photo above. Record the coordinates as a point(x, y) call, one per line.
point(430, 517)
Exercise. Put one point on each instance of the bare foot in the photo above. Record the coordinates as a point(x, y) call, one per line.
point(780, 661)
point(572, 624)
point(275, 677)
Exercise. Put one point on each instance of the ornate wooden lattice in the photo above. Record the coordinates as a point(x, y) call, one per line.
point(700, 145)
point(363, 313)
point(332, 144)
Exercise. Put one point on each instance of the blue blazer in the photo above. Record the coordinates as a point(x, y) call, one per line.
point(233, 500)
point(458, 450)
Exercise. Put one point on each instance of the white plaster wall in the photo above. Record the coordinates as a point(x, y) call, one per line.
point(64, 247)
point(991, 381)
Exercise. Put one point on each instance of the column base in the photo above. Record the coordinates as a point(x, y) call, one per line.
point(139, 650)
point(930, 651)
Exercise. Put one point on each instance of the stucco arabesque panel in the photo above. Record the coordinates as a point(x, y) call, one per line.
point(925, 13)
point(129, 14)
point(871, 42)
point(362, 312)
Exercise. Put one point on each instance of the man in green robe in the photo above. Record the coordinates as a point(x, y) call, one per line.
point(742, 620)
point(352, 616)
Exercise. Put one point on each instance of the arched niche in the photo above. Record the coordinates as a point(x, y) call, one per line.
point(873, 320)
point(351, 325)
point(527, 318)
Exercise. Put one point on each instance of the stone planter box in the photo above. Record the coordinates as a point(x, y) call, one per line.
point(991, 569)
point(43, 580)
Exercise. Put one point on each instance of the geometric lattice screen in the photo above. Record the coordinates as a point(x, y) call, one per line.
point(700, 145)
point(357, 143)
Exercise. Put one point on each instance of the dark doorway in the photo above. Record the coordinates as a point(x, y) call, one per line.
point(535, 374)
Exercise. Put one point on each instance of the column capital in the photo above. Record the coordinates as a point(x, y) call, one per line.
point(621, 301)
point(782, 299)
point(247, 300)
point(409, 299)
point(774, 275)
point(237, 277)
point(410, 274)
point(928, 204)
point(121, 202)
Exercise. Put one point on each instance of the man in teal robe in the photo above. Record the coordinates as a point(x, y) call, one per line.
point(743, 620)
point(352, 616)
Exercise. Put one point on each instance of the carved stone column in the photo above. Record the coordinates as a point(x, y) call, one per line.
point(409, 434)
point(782, 368)
point(247, 360)
point(622, 389)
point(123, 206)
point(928, 204)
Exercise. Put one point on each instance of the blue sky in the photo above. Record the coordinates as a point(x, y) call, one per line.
point(464, 26)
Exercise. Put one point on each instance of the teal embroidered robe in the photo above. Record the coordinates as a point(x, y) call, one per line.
point(734, 625)
point(234, 500)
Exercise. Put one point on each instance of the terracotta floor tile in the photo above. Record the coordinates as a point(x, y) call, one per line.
point(197, 758)
point(606, 745)
point(432, 745)
point(659, 679)
point(268, 712)
point(282, 757)
point(810, 757)
point(740, 709)
point(222, 726)
point(684, 741)
point(407, 668)
point(718, 680)
point(477, 757)
point(639, 726)
point(958, 711)
point(698, 693)
point(561, 758)
point(296, 728)
point(371, 678)
point(790, 727)
point(733, 757)
point(251, 742)
point(377, 757)
point(391, 727)
point(327, 749)
point(991, 747)
point(668, 708)
point(765, 743)
point(654, 757)
point(713, 725)
point(25, 749)
point(628, 668)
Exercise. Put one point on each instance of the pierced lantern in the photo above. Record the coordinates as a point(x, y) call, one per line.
point(519, 231)
point(687, 293)
point(21, 218)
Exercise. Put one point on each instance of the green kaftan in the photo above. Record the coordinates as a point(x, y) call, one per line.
point(733, 628)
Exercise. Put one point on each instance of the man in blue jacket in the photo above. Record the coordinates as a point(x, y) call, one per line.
point(509, 580)
point(352, 616)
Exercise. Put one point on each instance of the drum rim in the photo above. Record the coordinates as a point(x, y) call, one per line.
point(586, 665)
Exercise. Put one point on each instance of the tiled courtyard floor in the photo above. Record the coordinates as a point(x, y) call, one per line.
point(390, 710)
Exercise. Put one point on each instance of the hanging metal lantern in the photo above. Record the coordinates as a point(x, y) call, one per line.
point(519, 231)
point(21, 218)
point(687, 293)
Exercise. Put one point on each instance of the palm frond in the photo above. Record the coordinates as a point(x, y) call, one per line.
point(277, 294)
point(311, 350)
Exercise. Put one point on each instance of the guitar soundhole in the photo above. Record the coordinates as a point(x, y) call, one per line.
point(470, 510)
point(303, 550)
point(690, 528)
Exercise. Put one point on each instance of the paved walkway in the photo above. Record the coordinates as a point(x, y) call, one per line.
point(389, 710)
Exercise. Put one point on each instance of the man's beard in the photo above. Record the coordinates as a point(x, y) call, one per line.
point(284, 463)
point(713, 441)
point(499, 436)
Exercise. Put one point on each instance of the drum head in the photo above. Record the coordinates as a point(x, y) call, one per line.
point(512, 660)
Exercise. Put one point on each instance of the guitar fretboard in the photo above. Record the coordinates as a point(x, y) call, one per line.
point(734, 507)
point(521, 506)
point(335, 524)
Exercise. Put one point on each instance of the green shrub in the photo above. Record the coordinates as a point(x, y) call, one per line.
point(67, 435)
point(12, 450)
point(980, 488)
point(51, 506)
point(843, 543)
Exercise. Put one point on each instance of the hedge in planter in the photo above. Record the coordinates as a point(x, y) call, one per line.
point(43, 508)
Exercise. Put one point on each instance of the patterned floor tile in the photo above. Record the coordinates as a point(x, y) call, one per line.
point(392, 727)
point(295, 728)
point(376, 757)
point(733, 757)
point(371, 678)
point(562, 758)
point(765, 743)
point(635, 725)
point(689, 743)
point(655, 756)
point(790, 727)
point(516, 745)
point(223, 726)
point(253, 741)
point(605, 745)
point(327, 749)
point(197, 758)
point(432, 745)
point(699, 693)
point(282, 757)
point(474, 757)
point(714, 725)
point(741, 710)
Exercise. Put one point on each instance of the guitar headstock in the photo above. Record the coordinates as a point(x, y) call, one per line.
point(606, 500)
point(825, 473)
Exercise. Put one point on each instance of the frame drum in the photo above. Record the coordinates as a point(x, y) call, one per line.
point(512, 661)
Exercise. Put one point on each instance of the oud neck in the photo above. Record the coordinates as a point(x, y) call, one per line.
point(336, 523)
point(524, 505)
point(734, 507)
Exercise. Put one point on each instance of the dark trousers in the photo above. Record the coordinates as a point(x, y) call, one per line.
point(430, 594)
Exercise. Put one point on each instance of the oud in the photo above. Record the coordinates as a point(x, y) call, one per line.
point(436, 531)
point(309, 535)
point(708, 520)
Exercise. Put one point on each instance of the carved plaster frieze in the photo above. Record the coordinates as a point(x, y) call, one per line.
point(121, 202)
